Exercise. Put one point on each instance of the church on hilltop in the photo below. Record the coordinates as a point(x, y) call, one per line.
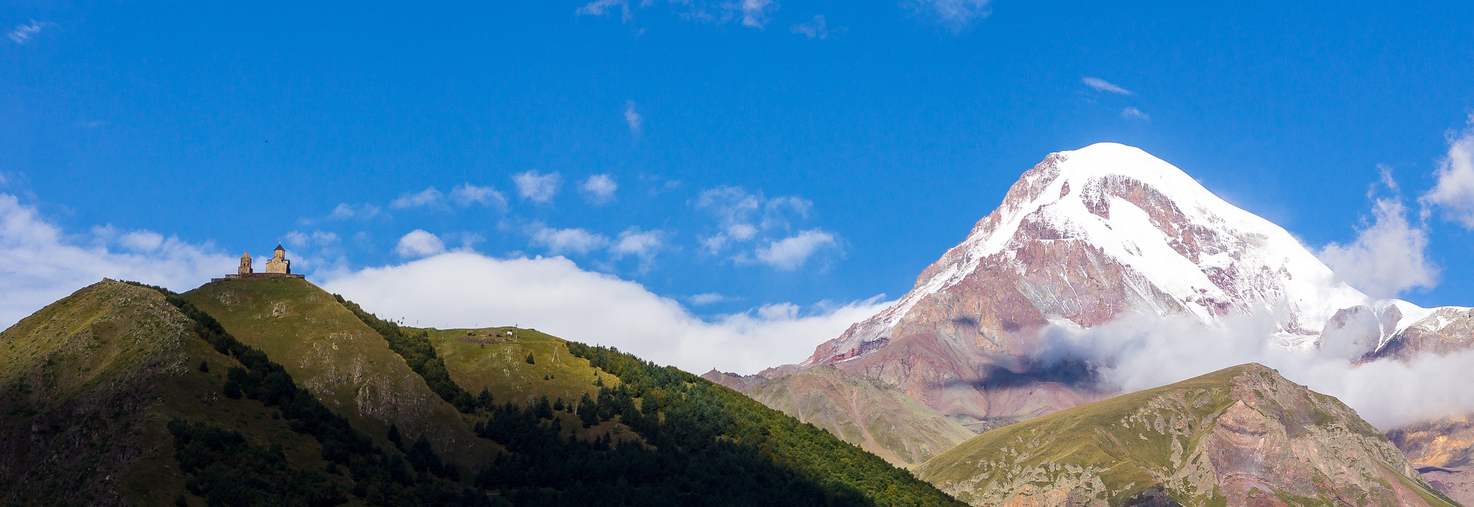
point(276, 267)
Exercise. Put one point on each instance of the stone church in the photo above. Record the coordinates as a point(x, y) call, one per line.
point(276, 267)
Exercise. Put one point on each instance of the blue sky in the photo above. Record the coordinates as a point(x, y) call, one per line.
point(733, 157)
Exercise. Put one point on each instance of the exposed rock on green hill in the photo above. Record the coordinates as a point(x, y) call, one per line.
point(863, 411)
point(1240, 436)
point(345, 363)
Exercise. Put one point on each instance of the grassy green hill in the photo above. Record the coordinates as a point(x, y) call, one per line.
point(272, 392)
point(1240, 436)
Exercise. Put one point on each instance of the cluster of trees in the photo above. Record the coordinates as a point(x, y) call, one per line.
point(380, 477)
point(226, 470)
point(698, 444)
point(416, 349)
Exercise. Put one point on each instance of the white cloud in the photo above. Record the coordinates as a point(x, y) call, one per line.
point(298, 239)
point(791, 253)
point(956, 15)
point(1455, 189)
point(599, 188)
point(743, 216)
point(345, 211)
point(419, 243)
point(462, 289)
point(707, 298)
point(751, 13)
point(142, 241)
point(602, 7)
point(467, 194)
point(1135, 353)
point(1388, 257)
point(1104, 86)
point(426, 197)
point(755, 12)
point(1131, 113)
point(563, 241)
point(24, 31)
point(39, 263)
point(642, 244)
point(635, 121)
point(537, 187)
point(816, 29)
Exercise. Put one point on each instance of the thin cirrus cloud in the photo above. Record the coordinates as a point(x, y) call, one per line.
point(1132, 113)
point(633, 119)
point(426, 197)
point(750, 13)
point(599, 188)
point(346, 211)
point(1105, 86)
point(24, 31)
point(1454, 192)
point(956, 15)
point(538, 187)
point(818, 28)
point(464, 289)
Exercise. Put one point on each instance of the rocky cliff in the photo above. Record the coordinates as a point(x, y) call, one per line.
point(1240, 436)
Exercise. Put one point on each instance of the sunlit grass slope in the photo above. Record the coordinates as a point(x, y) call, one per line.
point(345, 363)
point(87, 387)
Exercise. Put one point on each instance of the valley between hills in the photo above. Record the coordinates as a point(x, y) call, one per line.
point(272, 391)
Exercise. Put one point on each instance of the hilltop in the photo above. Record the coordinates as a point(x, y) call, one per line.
point(1239, 436)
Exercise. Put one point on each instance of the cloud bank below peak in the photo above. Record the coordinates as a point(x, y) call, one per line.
point(553, 295)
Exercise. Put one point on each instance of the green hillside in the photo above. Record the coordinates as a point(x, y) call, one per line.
point(1240, 436)
point(345, 363)
point(272, 392)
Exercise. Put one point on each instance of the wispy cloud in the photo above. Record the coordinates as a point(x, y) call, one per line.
point(467, 194)
point(790, 253)
point(537, 187)
point(426, 197)
point(1104, 86)
point(1455, 189)
point(633, 118)
point(346, 211)
point(599, 188)
point(602, 7)
point(1132, 113)
point(24, 31)
point(419, 243)
point(816, 29)
point(1389, 255)
point(955, 15)
point(755, 12)
point(750, 13)
point(566, 241)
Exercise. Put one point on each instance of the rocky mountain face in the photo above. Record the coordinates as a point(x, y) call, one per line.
point(1443, 451)
point(1085, 238)
point(1240, 436)
point(862, 410)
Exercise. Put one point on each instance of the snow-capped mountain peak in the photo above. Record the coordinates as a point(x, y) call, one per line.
point(1090, 233)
